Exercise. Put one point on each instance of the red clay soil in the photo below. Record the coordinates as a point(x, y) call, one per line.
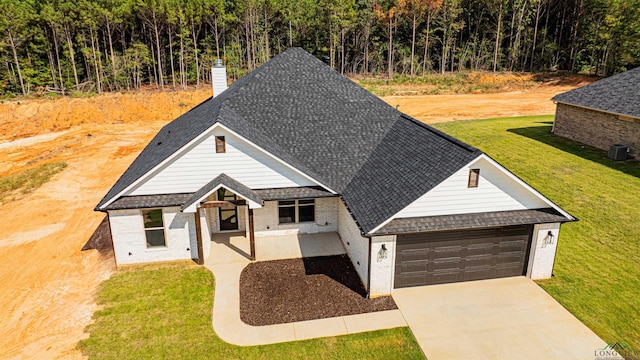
point(284, 291)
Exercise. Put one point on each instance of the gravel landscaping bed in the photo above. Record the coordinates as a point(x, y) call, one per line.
point(284, 291)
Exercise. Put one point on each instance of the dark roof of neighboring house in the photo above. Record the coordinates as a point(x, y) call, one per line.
point(227, 182)
point(471, 221)
point(618, 94)
point(323, 124)
point(148, 201)
point(303, 192)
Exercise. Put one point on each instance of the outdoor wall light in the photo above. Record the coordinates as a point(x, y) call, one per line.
point(130, 253)
point(382, 253)
point(548, 240)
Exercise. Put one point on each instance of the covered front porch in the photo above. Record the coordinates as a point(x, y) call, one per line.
point(234, 247)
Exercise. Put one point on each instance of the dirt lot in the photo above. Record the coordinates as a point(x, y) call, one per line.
point(47, 284)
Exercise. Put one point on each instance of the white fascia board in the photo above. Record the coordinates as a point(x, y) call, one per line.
point(195, 140)
point(192, 208)
point(500, 168)
point(161, 164)
point(277, 158)
point(396, 214)
point(525, 185)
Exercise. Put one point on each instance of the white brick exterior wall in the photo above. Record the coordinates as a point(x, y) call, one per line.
point(206, 232)
point(357, 246)
point(127, 231)
point(543, 253)
point(266, 223)
point(382, 268)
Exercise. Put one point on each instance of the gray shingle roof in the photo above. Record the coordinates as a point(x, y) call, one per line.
point(412, 159)
point(227, 182)
point(148, 201)
point(471, 221)
point(618, 94)
point(307, 114)
point(304, 192)
point(293, 96)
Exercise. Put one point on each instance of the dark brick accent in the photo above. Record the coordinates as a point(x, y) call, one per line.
point(595, 128)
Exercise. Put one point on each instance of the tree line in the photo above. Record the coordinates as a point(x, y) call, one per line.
point(109, 45)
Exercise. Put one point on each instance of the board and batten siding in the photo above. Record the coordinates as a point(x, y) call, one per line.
point(356, 245)
point(496, 191)
point(129, 240)
point(199, 163)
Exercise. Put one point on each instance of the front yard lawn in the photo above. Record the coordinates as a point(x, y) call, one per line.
point(164, 312)
point(597, 269)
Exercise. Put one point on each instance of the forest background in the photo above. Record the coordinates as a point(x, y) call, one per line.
point(92, 46)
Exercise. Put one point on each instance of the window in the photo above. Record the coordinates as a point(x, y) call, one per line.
point(220, 144)
point(287, 211)
point(296, 211)
point(306, 210)
point(154, 228)
point(474, 178)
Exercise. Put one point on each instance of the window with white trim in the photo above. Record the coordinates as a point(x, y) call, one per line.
point(154, 228)
point(296, 211)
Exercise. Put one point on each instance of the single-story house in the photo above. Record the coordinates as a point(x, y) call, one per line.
point(296, 148)
point(602, 113)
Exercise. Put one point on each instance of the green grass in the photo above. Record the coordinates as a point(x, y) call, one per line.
point(164, 312)
point(597, 269)
point(29, 180)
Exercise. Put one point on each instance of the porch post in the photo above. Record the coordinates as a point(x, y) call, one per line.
point(199, 237)
point(252, 241)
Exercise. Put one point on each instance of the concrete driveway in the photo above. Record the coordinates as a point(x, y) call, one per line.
point(509, 318)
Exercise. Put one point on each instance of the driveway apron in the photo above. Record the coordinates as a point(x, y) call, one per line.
point(508, 318)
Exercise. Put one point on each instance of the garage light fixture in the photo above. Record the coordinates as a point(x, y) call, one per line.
point(382, 253)
point(548, 240)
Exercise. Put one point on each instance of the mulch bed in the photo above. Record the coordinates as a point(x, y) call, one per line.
point(284, 291)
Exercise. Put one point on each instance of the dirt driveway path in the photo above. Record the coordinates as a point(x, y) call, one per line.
point(443, 108)
point(47, 284)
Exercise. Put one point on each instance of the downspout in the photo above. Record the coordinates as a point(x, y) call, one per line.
point(369, 269)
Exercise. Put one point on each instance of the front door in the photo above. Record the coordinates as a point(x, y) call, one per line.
point(228, 214)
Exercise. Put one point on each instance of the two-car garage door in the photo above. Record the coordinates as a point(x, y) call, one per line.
point(461, 255)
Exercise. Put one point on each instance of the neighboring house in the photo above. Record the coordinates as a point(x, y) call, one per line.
point(294, 147)
point(603, 113)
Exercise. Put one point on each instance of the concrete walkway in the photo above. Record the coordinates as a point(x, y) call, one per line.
point(228, 258)
point(509, 318)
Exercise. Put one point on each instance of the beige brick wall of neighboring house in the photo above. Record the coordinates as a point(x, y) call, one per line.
point(596, 128)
